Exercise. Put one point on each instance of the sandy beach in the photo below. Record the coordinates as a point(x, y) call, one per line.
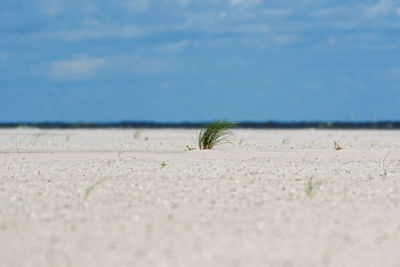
point(143, 197)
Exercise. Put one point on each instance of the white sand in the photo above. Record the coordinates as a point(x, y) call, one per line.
point(238, 205)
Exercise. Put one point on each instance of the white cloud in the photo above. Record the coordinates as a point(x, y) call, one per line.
point(136, 5)
point(172, 47)
point(221, 22)
point(75, 69)
point(252, 28)
point(334, 12)
point(275, 12)
point(243, 3)
point(284, 39)
point(143, 63)
point(363, 37)
point(383, 7)
point(380, 8)
point(96, 32)
point(182, 3)
point(51, 7)
point(151, 66)
point(205, 21)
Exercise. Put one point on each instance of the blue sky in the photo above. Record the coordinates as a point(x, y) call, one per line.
point(191, 60)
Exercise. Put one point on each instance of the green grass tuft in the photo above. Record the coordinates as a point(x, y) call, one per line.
point(214, 134)
point(137, 133)
point(311, 188)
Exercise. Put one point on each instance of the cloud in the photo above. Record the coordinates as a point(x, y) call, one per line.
point(221, 22)
point(243, 3)
point(270, 40)
point(275, 12)
point(96, 32)
point(252, 28)
point(79, 68)
point(172, 47)
point(380, 8)
point(182, 3)
point(152, 66)
point(333, 12)
point(51, 7)
point(136, 5)
point(211, 22)
point(383, 7)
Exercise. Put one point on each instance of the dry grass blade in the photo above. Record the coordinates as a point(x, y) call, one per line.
point(214, 133)
point(93, 186)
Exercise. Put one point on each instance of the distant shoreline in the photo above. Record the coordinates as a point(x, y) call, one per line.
point(384, 125)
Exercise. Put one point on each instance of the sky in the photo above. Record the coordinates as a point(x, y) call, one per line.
point(197, 60)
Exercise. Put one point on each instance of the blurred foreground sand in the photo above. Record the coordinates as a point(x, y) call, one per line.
point(137, 198)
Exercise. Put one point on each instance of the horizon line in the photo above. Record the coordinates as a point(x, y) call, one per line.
point(270, 124)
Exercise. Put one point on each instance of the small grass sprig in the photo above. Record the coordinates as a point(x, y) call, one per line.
point(384, 169)
point(163, 164)
point(189, 148)
point(137, 133)
point(93, 186)
point(214, 133)
point(336, 146)
point(311, 187)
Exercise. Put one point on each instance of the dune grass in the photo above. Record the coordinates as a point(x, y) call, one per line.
point(214, 133)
